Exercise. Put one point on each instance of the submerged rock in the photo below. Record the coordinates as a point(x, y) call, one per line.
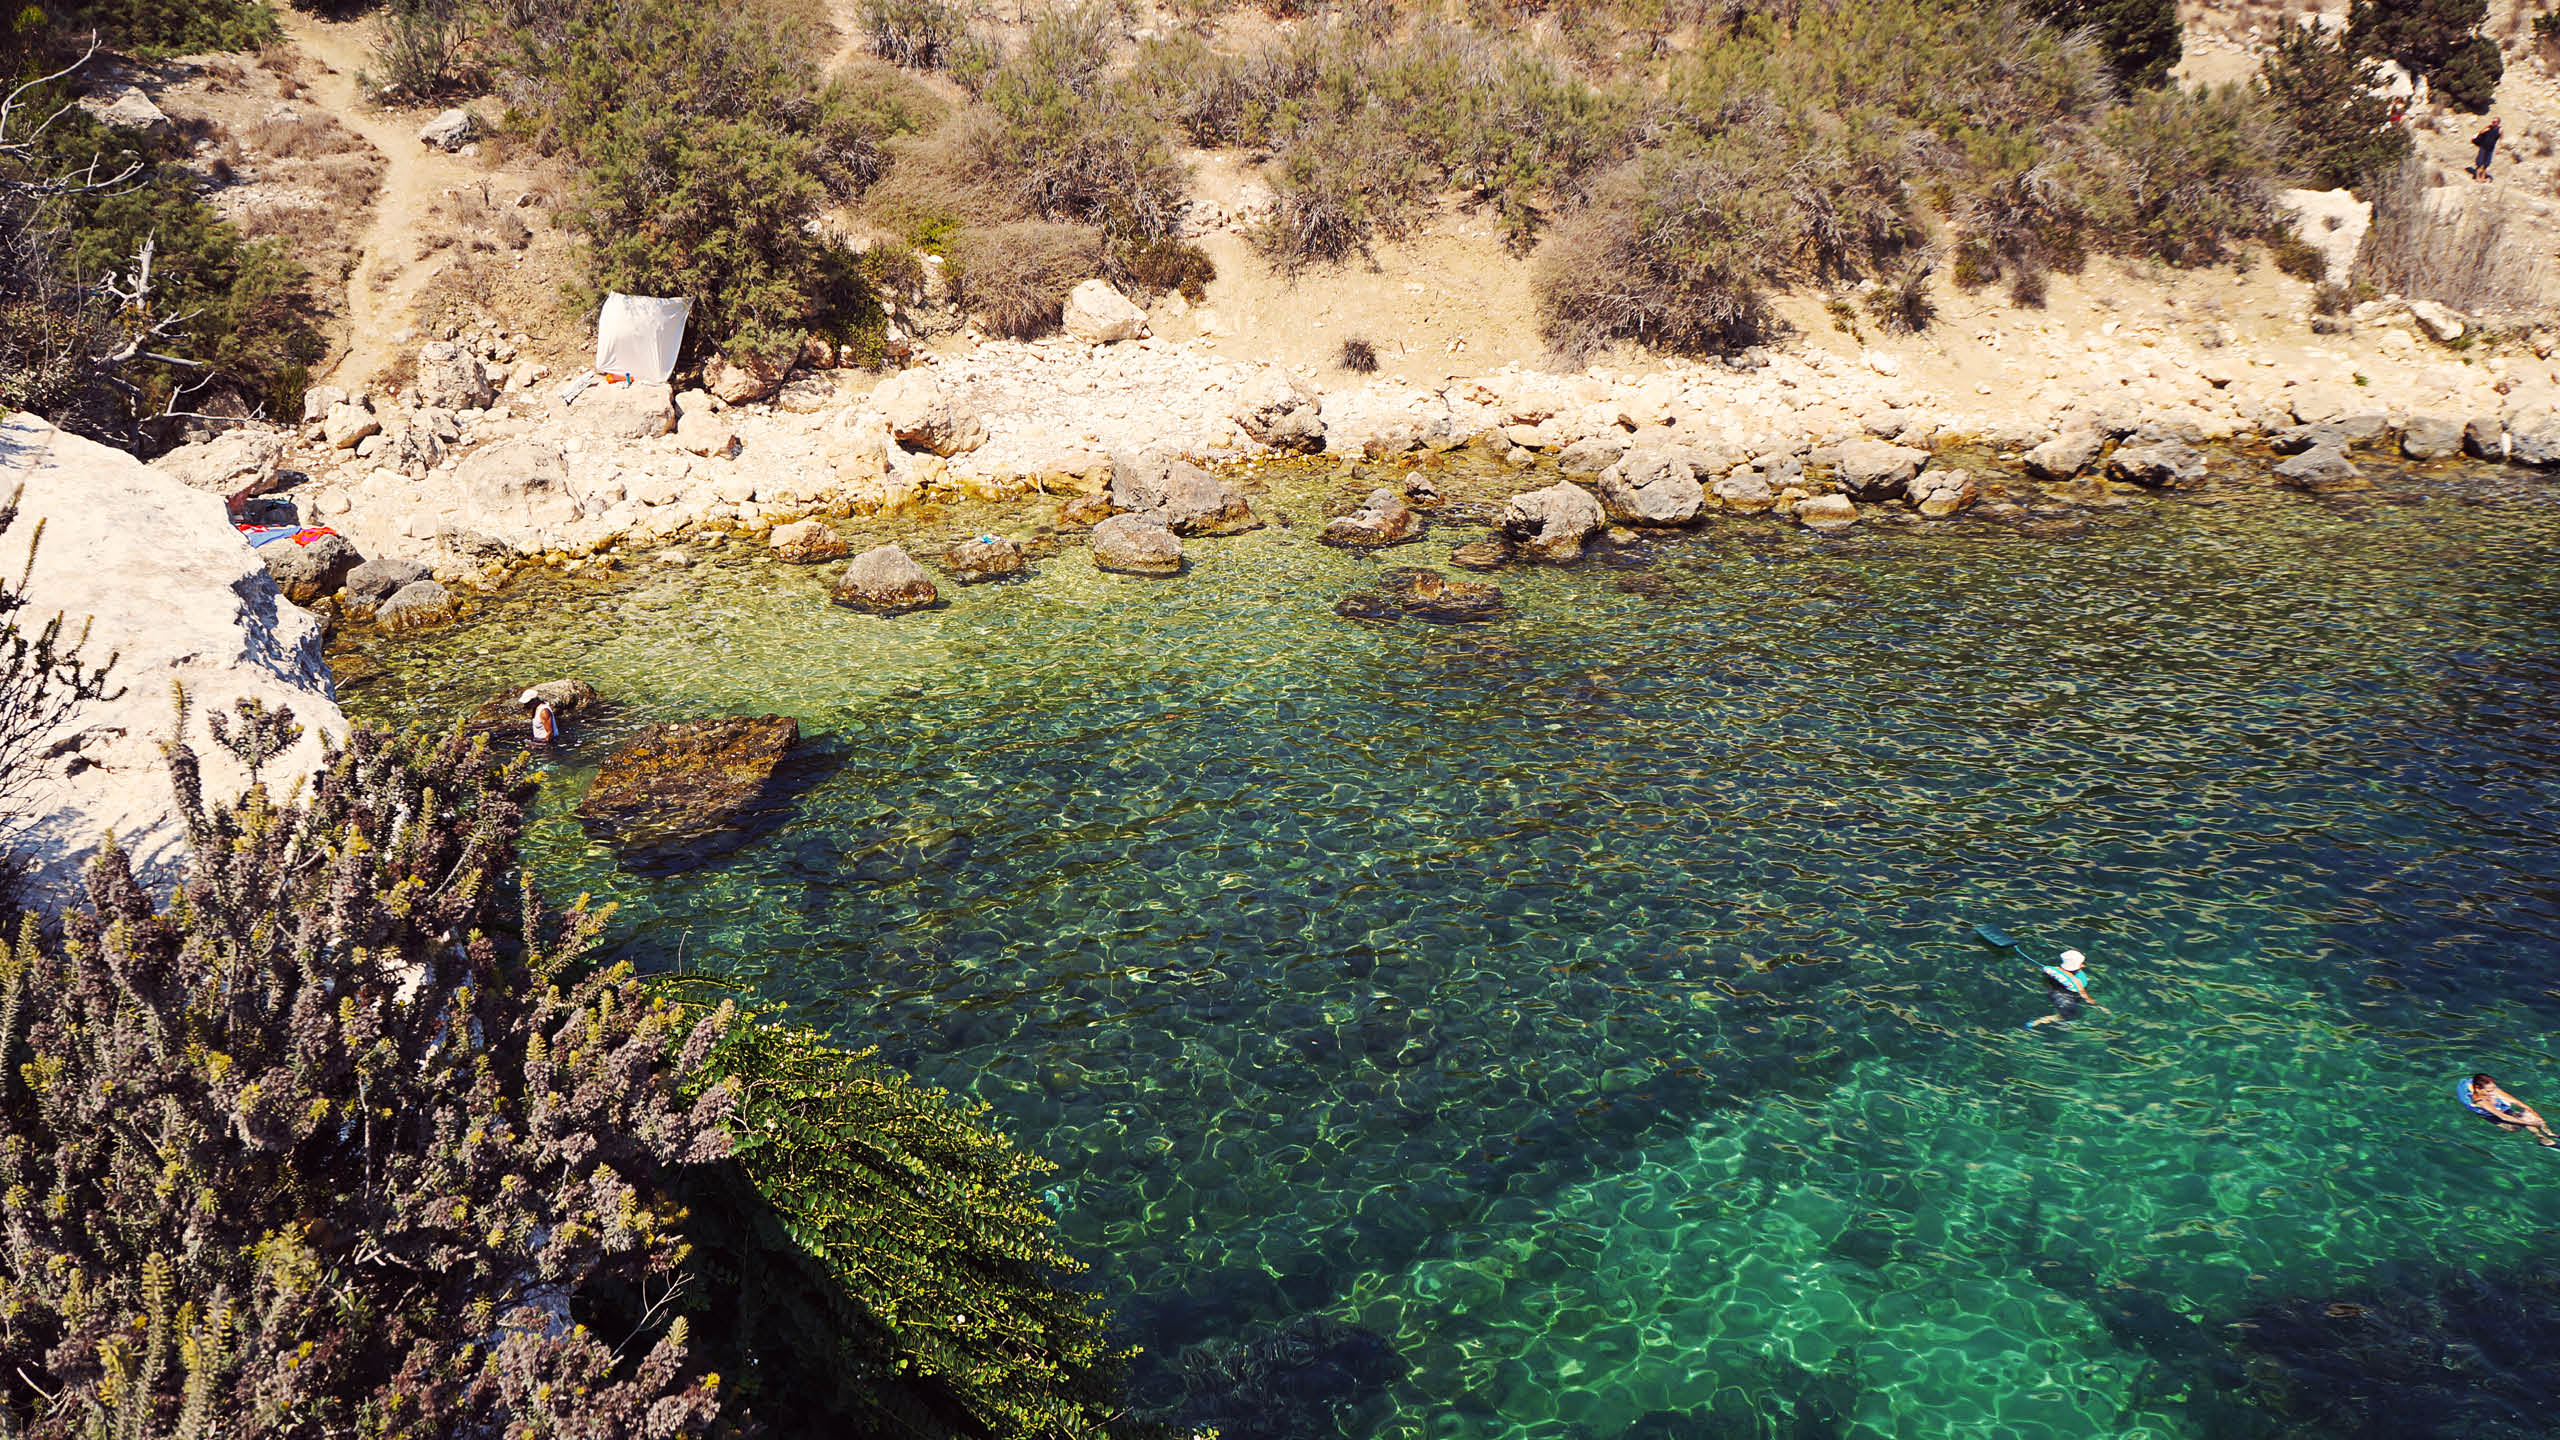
point(1552, 524)
point(1873, 470)
point(1826, 512)
point(1382, 520)
point(885, 581)
point(1487, 554)
point(418, 605)
point(1179, 495)
point(2166, 465)
point(1430, 595)
point(689, 789)
point(1136, 545)
point(806, 542)
point(2325, 470)
point(982, 558)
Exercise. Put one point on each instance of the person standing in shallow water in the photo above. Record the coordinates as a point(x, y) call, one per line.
point(2487, 141)
point(546, 726)
point(2482, 1096)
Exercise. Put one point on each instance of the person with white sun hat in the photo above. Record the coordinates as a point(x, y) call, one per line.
point(2067, 986)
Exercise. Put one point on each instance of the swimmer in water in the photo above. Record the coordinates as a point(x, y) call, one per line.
point(2482, 1097)
point(2067, 987)
point(546, 726)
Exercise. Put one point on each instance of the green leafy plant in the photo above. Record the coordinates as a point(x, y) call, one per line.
point(2468, 78)
point(2142, 38)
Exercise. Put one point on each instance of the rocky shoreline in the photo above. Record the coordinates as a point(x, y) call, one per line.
point(483, 464)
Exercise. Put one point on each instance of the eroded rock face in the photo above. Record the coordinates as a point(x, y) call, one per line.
point(623, 412)
point(885, 581)
point(1745, 494)
point(2163, 466)
point(737, 382)
point(1941, 493)
point(1552, 524)
point(2533, 436)
point(1651, 487)
point(807, 542)
point(924, 416)
point(1100, 315)
point(2431, 437)
point(1136, 545)
point(681, 792)
point(155, 570)
point(305, 572)
point(1383, 519)
point(514, 474)
point(375, 581)
point(1872, 470)
point(982, 558)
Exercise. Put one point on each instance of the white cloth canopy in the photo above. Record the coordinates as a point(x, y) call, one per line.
point(639, 335)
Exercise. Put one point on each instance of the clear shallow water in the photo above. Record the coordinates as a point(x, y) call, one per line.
point(1586, 1007)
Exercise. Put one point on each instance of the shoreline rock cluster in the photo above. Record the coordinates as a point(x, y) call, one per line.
point(480, 465)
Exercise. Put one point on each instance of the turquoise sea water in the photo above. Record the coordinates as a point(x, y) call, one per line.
point(1574, 1025)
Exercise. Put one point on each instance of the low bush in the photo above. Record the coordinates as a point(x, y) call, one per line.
point(2142, 38)
point(1013, 279)
point(423, 51)
point(918, 34)
point(2183, 175)
point(2297, 257)
point(1901, 303)
point(1671, 253)
point(2468, 79)
point(1359, 356)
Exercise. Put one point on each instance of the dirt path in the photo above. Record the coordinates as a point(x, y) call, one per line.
point(386, 280)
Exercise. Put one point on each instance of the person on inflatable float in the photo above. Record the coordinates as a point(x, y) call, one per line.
point(2481, 1096)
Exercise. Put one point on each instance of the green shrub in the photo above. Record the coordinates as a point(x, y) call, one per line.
point(2421, 34)
point(155, 28)
point(1901, 303)
point(918, 34)
point(708, 153)
point(2468, 78)
point(2330, 97)
point(876, 1261)
point(1067, 144)
point(2183, 174)
point(422, 52)
point(1671, 254)
point(2142, 38)
point(1013, 279)
point(1335, 190)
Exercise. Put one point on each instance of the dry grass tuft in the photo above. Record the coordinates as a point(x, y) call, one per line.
point(1013, 279)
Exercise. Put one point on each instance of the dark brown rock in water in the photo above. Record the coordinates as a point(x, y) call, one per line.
point(1430, 595)
point(679, 792)
point(806, 542)
point(1136, 545)
point(1368, 605)
point(1490, 554)
point(984, 557)
point(1084, 510)
point(885, 581)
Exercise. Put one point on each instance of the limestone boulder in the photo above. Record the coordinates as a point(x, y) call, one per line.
point(2484, 437)
point(1278, 410)
point(982, 558)
point(2533, 436)
point(154, 569)
point(376, 580)
point(1744, 494)
point(2437, 320)
point(346, 425)
point(418, 605)
point(885, 581)
point(806, 542)
point(2431, 437)
point(514, 474)
point(450, 130)
point(706, 434)
point(1551, 524)
point(1097, 314)
point(2325, 470)
point(450, 377)
point(2165, 465)
point(2067, 454)
point(682, 792)
point(127, 109)
point(1584, 459)
point(1383, 519)
point(1179, 495)
point(1941, 493)
point(306, 570)
point(615, 411)
point(1652, 487)
point(1136, 545)
point(2332, 222)
point(739, 381)
point(238, 463)
point(923, 415)
point(1827, 512)
point(1875, 471)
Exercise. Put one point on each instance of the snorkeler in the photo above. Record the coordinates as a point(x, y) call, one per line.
point(2481, 1096)
point(2067, 988)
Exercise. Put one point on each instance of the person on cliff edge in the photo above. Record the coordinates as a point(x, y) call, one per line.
point(2487, 140)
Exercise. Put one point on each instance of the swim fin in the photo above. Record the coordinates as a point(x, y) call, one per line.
point(1994, 935)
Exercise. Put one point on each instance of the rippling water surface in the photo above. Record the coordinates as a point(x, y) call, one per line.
point(1581, 1016)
